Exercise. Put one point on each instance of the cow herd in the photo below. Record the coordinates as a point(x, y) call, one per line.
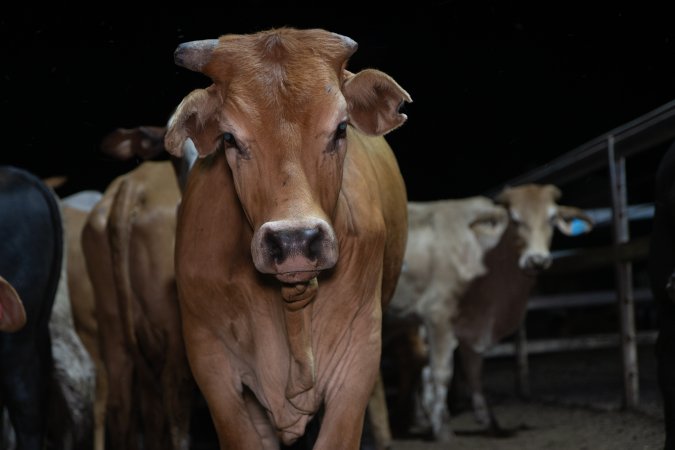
point(264, 267)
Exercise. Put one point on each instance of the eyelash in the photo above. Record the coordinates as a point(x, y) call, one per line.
point(339, 135)
point(229, 141)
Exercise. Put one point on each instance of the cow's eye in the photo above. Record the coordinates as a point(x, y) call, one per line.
point(229, 140)
point(231, 143)
point(341, 131)
point(339, 135)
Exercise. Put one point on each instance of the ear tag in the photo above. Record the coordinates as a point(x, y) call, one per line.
point(577, 227)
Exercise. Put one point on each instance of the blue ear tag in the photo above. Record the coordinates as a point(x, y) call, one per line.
point(577, 227)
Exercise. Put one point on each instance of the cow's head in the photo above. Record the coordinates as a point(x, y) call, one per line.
point(145, 142)
point(281, 107)
point(534, 213)
point(12, 313)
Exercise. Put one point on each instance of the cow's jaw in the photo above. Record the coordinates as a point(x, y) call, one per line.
point(294, 251)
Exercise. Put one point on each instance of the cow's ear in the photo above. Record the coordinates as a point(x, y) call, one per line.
point(573, 221)
point(489, 226)
point(374, 100)
point(554, 191)
point(194, 118)
point(12, 313)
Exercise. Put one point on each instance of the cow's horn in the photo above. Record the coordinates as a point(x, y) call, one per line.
point(194, 55)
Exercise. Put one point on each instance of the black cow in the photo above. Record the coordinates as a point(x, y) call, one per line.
point(31, 249)
point(661, 266)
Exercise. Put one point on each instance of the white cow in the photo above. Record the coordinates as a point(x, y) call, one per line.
point(493, 305)
point(447, 240)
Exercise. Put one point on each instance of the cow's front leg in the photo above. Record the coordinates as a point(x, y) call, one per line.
point(472, 365)
point(344, 413)
point(349, 385)
point(442, 343)
point(238, 421)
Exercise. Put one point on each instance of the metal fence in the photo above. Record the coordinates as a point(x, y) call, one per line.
point(611, 152)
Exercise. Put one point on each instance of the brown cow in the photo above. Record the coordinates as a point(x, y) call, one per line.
point(291, 233)
point(129, 243)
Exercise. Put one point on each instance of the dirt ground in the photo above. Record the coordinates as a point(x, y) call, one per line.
point(576, 404)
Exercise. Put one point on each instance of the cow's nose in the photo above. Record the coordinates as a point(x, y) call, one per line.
point(538, 262)
point(304, 242)
point(294, 246)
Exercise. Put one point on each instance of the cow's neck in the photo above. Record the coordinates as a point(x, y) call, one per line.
point(298, 302)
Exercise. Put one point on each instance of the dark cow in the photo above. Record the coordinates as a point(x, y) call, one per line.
point(31, 250)
point(661, 267)
point(291, 233)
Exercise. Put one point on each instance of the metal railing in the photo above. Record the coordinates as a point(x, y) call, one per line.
point(610, 151)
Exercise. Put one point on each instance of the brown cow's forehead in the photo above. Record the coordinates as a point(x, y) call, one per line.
point(272, 70)
point(261, 103)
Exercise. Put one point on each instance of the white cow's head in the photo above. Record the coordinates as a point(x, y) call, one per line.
point(281, 107)
point(534, 213)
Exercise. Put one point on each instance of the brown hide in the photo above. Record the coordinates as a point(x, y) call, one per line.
point(129, 243)
point(291, 233)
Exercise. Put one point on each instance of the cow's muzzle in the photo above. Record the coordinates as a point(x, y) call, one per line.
point(535, 263)
point(295, 251)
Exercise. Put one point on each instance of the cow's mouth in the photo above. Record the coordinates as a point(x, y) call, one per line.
point(297, 277)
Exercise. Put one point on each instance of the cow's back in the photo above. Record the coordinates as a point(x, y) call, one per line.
point(31, 232)
point(31, 249)
point(128, 242)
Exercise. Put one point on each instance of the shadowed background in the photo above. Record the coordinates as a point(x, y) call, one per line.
point(498, 88)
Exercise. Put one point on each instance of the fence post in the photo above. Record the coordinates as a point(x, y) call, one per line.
point(624, 275)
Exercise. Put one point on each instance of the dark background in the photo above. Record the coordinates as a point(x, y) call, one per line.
point(499, 88)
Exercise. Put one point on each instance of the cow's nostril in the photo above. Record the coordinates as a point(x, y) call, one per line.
point(313, 244)
point(283, 243)
point(275, 246)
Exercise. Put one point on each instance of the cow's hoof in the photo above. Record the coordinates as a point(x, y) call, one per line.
point(444, 435)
